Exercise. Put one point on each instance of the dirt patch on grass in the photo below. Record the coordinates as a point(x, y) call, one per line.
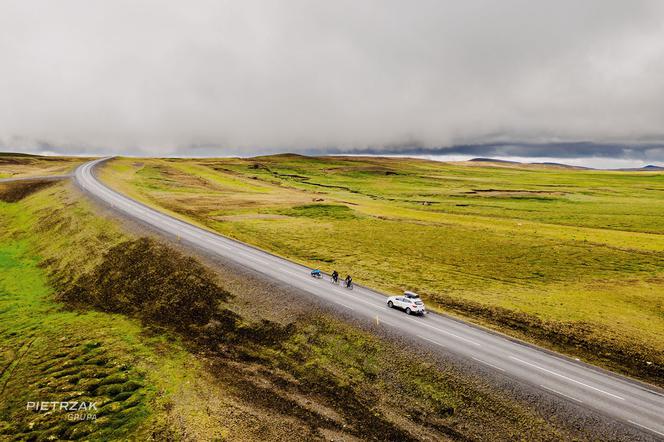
point(572, 337)
point(13, 161)
point(370, 170)
point(547, 192)
point(260, 216)
point(22, 159)
point(146, 279)
point(12, 192)
point(180, 178)
point(514, 193)
point(320, 211)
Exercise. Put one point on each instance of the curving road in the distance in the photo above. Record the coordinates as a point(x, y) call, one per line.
point(620, 398)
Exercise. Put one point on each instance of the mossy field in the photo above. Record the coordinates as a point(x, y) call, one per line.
point(23, 166)
point(569, 258)
point(167, 350)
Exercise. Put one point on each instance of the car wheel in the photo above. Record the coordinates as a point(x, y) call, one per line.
point(390, 304)
point(408, 310)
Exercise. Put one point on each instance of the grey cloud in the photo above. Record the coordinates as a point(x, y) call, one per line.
point(583, 149)
point(237, 78)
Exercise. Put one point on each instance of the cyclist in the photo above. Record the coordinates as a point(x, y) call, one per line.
point(349, 281)
point(335, 277)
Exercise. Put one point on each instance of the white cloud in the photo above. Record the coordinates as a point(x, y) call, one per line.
point(157, 77)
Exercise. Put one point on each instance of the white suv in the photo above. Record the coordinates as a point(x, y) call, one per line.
point(409, 302)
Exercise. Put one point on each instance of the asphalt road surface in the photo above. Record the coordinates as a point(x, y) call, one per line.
point(631, 402)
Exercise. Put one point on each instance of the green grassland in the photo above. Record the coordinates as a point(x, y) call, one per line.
point(569, 258)
point(73, 328)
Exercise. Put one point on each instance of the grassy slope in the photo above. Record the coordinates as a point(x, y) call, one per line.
point(568, 246)
point(19, 166)
point(322, 378)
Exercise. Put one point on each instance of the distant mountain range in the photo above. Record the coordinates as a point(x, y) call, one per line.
point(493, 160)
point(648, 168)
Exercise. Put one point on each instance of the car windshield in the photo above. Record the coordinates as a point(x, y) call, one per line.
point(419, 303)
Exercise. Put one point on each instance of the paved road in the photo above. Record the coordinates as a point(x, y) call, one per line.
point(612, 395)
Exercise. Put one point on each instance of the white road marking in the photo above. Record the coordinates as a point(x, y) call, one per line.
point(430, 340)
point(488, 363)
point(562, 394)
point(347, 306)
point(446, 332)
point(568, 378)
point(646, 428)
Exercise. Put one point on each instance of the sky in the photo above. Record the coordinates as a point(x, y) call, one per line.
point(574, 80)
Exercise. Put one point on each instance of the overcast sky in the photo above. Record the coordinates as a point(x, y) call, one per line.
point(242, 77)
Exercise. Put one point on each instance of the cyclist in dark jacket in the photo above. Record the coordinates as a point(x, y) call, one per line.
point(349, 281)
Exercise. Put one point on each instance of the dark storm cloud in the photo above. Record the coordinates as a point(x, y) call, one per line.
point(525, 150)
point(237, 78)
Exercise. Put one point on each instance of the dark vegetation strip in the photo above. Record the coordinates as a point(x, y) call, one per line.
point(11, 192)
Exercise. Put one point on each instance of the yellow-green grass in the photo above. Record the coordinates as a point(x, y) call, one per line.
point(564, 245)
point(24, 166)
